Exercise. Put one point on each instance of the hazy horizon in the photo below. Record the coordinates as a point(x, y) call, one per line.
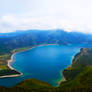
point(69, 15)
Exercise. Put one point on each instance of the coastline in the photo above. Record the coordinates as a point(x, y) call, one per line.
point(10, 67)
point(20, 73)
point(63, 79)
point(12, 59)
point(32, 48)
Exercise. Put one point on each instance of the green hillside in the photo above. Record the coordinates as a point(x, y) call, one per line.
point(78, 76)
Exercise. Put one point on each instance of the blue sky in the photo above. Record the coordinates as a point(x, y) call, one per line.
point(70, 15)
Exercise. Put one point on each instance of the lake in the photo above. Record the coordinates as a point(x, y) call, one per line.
point(44, 63)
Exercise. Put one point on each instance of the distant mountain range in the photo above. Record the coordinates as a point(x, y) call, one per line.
point(18, 39)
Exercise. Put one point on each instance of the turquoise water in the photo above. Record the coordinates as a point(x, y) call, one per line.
point(44, 63)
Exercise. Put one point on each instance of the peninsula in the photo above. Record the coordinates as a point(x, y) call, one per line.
point(6, 70)
point(78, 77)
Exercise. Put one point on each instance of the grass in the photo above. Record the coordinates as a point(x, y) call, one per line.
point(4, 56)
point(3, 67)
point(21, 49)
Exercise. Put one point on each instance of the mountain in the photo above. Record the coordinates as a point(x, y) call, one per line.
point(19, 39)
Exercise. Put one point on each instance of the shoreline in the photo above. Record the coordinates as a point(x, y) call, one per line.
point(12, 60)
point(17, 75)
point(63, 79)
point(10, 67)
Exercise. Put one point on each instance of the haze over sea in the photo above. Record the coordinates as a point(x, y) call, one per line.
point(44, 63)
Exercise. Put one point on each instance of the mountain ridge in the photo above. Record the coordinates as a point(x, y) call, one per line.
point(13, 40)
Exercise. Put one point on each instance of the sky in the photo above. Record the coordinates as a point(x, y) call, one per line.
point(70, 15)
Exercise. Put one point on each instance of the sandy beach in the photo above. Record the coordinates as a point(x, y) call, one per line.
point(8, 64)
point(12, 59)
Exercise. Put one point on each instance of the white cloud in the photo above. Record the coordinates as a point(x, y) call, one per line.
point(70, 15)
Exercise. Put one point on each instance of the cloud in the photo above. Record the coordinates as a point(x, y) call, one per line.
point(70, 15)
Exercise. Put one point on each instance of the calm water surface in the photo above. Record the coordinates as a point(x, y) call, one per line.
point(44, 63)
